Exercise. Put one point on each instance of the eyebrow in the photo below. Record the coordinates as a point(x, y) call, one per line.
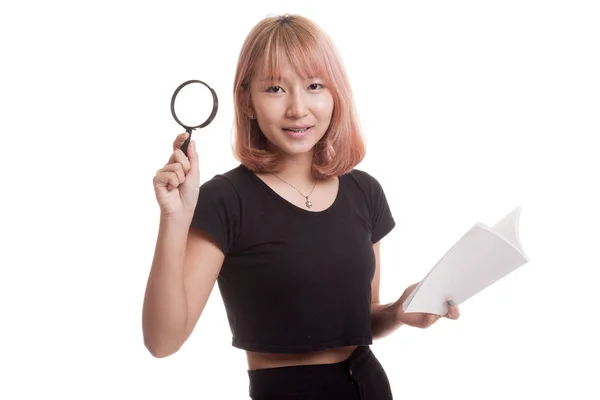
point(284, 78)
point(270, 79)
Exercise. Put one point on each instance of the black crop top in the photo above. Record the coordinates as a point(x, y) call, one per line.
point(294, 280)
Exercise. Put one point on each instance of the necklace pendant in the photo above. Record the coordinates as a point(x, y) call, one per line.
point(308, 203)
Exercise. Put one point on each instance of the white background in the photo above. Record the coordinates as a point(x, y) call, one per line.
point(470, 108)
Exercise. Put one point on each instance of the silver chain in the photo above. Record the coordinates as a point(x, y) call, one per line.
point(308, 203)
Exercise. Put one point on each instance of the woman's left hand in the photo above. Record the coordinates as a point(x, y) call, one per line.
point(423, 320)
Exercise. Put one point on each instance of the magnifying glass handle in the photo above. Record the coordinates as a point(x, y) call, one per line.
point(185, 144)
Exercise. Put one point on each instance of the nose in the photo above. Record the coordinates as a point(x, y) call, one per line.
point(297, 107)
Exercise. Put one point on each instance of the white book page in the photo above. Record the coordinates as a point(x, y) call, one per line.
point(481, 257)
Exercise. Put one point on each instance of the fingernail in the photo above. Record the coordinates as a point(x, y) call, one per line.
point(450, 302)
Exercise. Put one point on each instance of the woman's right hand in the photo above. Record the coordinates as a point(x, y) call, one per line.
point(177, 184)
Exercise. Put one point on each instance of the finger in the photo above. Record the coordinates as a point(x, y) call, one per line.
point(172, 158)
point(430, 319)
point(453, 311)
point(179, 157)
point(179, 140)
point(183, 160)
point(167, 179)
point(177, 169)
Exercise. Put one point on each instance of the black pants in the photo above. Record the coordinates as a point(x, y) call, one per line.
point(361, 376)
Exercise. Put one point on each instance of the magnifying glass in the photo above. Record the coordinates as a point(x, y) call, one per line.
point(192, 99)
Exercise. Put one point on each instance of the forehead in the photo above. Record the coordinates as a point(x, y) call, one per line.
point(281, 65)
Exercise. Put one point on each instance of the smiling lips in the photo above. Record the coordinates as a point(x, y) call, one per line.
point(298, 131)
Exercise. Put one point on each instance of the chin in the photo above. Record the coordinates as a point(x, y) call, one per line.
point(294, 149)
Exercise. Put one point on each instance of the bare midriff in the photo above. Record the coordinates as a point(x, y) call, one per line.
point(272, 360)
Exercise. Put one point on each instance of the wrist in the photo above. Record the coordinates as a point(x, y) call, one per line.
point(176, 221)
point(398, 311)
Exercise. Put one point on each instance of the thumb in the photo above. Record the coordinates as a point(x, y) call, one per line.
point(453, 311)
point(193, 158)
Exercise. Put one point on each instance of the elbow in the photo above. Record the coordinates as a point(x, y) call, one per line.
point(161, 349)
point(160, 339)
point(159, 353)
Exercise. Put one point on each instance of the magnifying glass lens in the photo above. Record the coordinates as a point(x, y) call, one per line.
point(193, 104)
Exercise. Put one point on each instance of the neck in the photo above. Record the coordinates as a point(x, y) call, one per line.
point(297, 168)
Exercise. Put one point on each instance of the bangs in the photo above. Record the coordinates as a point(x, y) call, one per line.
point(288, 47)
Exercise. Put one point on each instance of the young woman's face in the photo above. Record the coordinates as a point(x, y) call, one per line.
point(292, 112)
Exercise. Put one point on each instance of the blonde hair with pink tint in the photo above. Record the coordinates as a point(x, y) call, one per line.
point(310, 51)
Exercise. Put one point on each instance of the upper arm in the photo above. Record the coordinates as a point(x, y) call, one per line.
point(203, 261)
point(380, 219)
point(212, 235)
point(377, 276)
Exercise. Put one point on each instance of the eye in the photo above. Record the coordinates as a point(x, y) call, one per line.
point(274, 89)
point(315, 86)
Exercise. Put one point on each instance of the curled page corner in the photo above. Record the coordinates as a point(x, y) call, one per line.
point(508, 229)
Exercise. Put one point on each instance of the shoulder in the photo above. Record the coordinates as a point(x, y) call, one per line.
point(382, 220)
point(370, 188)
point(218, 209)
point(225, 184)
point(365, 181)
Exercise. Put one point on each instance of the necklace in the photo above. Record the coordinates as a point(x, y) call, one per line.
point(308, 203)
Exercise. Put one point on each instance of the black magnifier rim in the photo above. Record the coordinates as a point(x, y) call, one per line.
point(212, 114)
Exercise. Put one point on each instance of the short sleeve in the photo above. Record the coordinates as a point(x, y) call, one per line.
point(217, 212)
point(382, 221)
point(380, 215)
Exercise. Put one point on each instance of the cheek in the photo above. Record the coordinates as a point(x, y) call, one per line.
point(269, 111)
point(323, 106)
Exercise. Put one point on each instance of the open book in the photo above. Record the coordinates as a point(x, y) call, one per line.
point(481, 257)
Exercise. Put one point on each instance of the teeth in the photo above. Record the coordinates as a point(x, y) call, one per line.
point(298, 130)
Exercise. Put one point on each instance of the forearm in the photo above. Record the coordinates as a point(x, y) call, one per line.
point(383, 319)
point(164, 314)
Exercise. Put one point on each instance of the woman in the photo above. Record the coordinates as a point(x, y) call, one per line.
point(292, 235)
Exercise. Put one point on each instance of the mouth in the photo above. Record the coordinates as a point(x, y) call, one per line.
point(298, 131)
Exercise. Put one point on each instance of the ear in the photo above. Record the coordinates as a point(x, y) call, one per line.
point(250, 113)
